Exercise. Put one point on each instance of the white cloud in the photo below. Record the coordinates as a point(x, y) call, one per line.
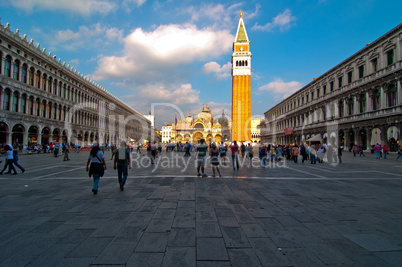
point(155, 55)
point(220, 16)
point(283, 21)
point(280, 88)
point(81, 7)
point(87, 7)
point(135, 2)
point(182, 96)
point(84, 36)
point(177, 95)
point(220, 72)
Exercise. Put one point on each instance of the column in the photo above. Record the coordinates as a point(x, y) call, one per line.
point(383, 97)
point(2, 65)
point(345, 107)
point(336, 109)
point(11, 100)
point(398, 91)
point(369, 100)
point(384, 138)
point(39, 136)
point(355, 105)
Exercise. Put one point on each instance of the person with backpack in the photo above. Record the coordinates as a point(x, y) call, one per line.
point(250, 154)
point(122, 161)
point(97, 167)
point(243, 150)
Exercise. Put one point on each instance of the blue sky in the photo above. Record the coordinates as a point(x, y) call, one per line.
point(179, 52)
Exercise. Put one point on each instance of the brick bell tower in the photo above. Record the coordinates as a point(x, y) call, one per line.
point(241, 85)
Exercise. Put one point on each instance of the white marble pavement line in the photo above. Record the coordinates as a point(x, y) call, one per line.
point(306, 172)
point(351, 171)
point(53, 173)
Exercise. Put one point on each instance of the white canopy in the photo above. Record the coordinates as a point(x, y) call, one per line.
point(315, 138)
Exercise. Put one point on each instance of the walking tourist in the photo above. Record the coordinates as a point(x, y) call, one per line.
point(313, 154)
point(139, 148)
point(321, 154)
point(243, 150)
point(361, 151)
point(250, 154)
point(354, 150)
point(9, 160)
point(15, 156)
point(201, 153)
point(295, 153)
point(262, 154)
point(377, 149)
point(385, 151)
point(66, 151)
point(235, 159)
point(222, 150)
point(56, 149)
point(122, 161)
point(399, 153)
point(340, 153)
point(303, 153)
point(98, 166)
point(214, 153)
point(187, 148)
point(154, 152)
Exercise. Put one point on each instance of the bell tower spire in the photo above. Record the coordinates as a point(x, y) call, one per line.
point(241, 85)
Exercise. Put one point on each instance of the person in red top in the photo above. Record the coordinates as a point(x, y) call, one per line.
point(385, 151)
point(235, 149)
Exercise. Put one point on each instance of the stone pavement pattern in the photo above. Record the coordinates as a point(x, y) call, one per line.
point(298, 215)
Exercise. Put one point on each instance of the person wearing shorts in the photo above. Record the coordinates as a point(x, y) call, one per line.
point(201, 154)
point(214, 160)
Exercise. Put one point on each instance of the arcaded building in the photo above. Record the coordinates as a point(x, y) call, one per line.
point(356, 102)
point(43, 100)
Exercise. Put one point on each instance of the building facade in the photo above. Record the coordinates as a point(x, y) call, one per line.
point(255, 130)
point(359, 101)
point(241, 85)
point(43, 100)
point(166, 133)
point(203, 126)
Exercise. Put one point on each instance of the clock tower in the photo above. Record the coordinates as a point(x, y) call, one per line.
point(241, 85)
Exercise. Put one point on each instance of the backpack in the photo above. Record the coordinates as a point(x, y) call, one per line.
point(121, 155)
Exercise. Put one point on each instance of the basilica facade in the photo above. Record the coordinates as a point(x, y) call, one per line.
point(357, 102)
point(203, 126)
point(43, 100)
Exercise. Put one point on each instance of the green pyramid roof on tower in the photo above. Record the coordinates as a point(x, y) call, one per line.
point(241, 36)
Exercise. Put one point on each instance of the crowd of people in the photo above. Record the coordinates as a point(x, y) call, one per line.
point(216, 154)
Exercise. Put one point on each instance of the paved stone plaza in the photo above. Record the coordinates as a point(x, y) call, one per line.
point(288, 215)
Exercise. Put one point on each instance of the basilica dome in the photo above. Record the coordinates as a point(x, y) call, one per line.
point(223, 121)
point(206, 115)
point(189, 119)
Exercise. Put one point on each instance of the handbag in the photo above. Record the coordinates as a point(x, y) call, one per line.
point(96, 168)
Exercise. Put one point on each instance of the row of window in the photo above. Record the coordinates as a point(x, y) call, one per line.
point(340, 82)
point(321, 113)
point(241, 63)
point(30, 106)
point(46, 109)
point(42, 81)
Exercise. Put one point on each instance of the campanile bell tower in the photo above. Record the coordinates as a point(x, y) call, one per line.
point(241, 85)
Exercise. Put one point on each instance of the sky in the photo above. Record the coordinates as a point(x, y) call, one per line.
point(173, 55)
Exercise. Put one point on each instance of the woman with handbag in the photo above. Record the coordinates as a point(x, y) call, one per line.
point(98, 166)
